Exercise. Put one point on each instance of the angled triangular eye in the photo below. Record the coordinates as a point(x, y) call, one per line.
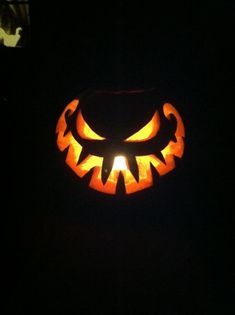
point(148, 131)
point(85, 131)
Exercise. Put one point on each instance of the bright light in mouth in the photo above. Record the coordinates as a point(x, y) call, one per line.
point(120, 163)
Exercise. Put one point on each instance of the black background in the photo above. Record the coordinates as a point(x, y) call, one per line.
point(163, 250)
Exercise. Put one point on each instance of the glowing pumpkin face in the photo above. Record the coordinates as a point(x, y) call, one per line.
point(103, 137)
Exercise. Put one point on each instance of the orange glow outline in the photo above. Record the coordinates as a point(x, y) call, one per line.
point(94, 163)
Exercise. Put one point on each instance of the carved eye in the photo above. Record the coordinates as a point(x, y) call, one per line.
point(148, 131)
point(85, 131)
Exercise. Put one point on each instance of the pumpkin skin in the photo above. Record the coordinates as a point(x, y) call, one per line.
point(121, 138)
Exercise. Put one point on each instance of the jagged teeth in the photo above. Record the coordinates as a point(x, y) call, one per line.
point(84, 154)
point(133, 166)
point(108, 164)
point(106, 168)
point(160, 157)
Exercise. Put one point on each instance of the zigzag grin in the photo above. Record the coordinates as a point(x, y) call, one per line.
point(136, 171)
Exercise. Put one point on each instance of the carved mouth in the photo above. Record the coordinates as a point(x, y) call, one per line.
point(136, 171)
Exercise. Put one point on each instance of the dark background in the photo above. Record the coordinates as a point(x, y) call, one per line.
point(160, 251)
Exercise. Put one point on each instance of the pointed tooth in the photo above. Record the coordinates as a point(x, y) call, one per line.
point(155, 174)
point(133, 166)
point(120, 189)
point(84, 154)
point(160, 157)
point(106, 168)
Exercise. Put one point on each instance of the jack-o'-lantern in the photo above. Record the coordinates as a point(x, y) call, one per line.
point(120, 138)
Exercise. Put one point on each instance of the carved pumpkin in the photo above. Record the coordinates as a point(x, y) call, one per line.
point(103, 138)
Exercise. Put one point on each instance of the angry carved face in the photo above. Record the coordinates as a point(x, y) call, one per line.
point(120, 138)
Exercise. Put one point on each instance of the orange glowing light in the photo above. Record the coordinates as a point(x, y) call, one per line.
point(148, 131)
point(85, 131)
point(120, 164)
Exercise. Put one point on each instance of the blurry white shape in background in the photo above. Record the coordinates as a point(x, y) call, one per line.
point(10, 40)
